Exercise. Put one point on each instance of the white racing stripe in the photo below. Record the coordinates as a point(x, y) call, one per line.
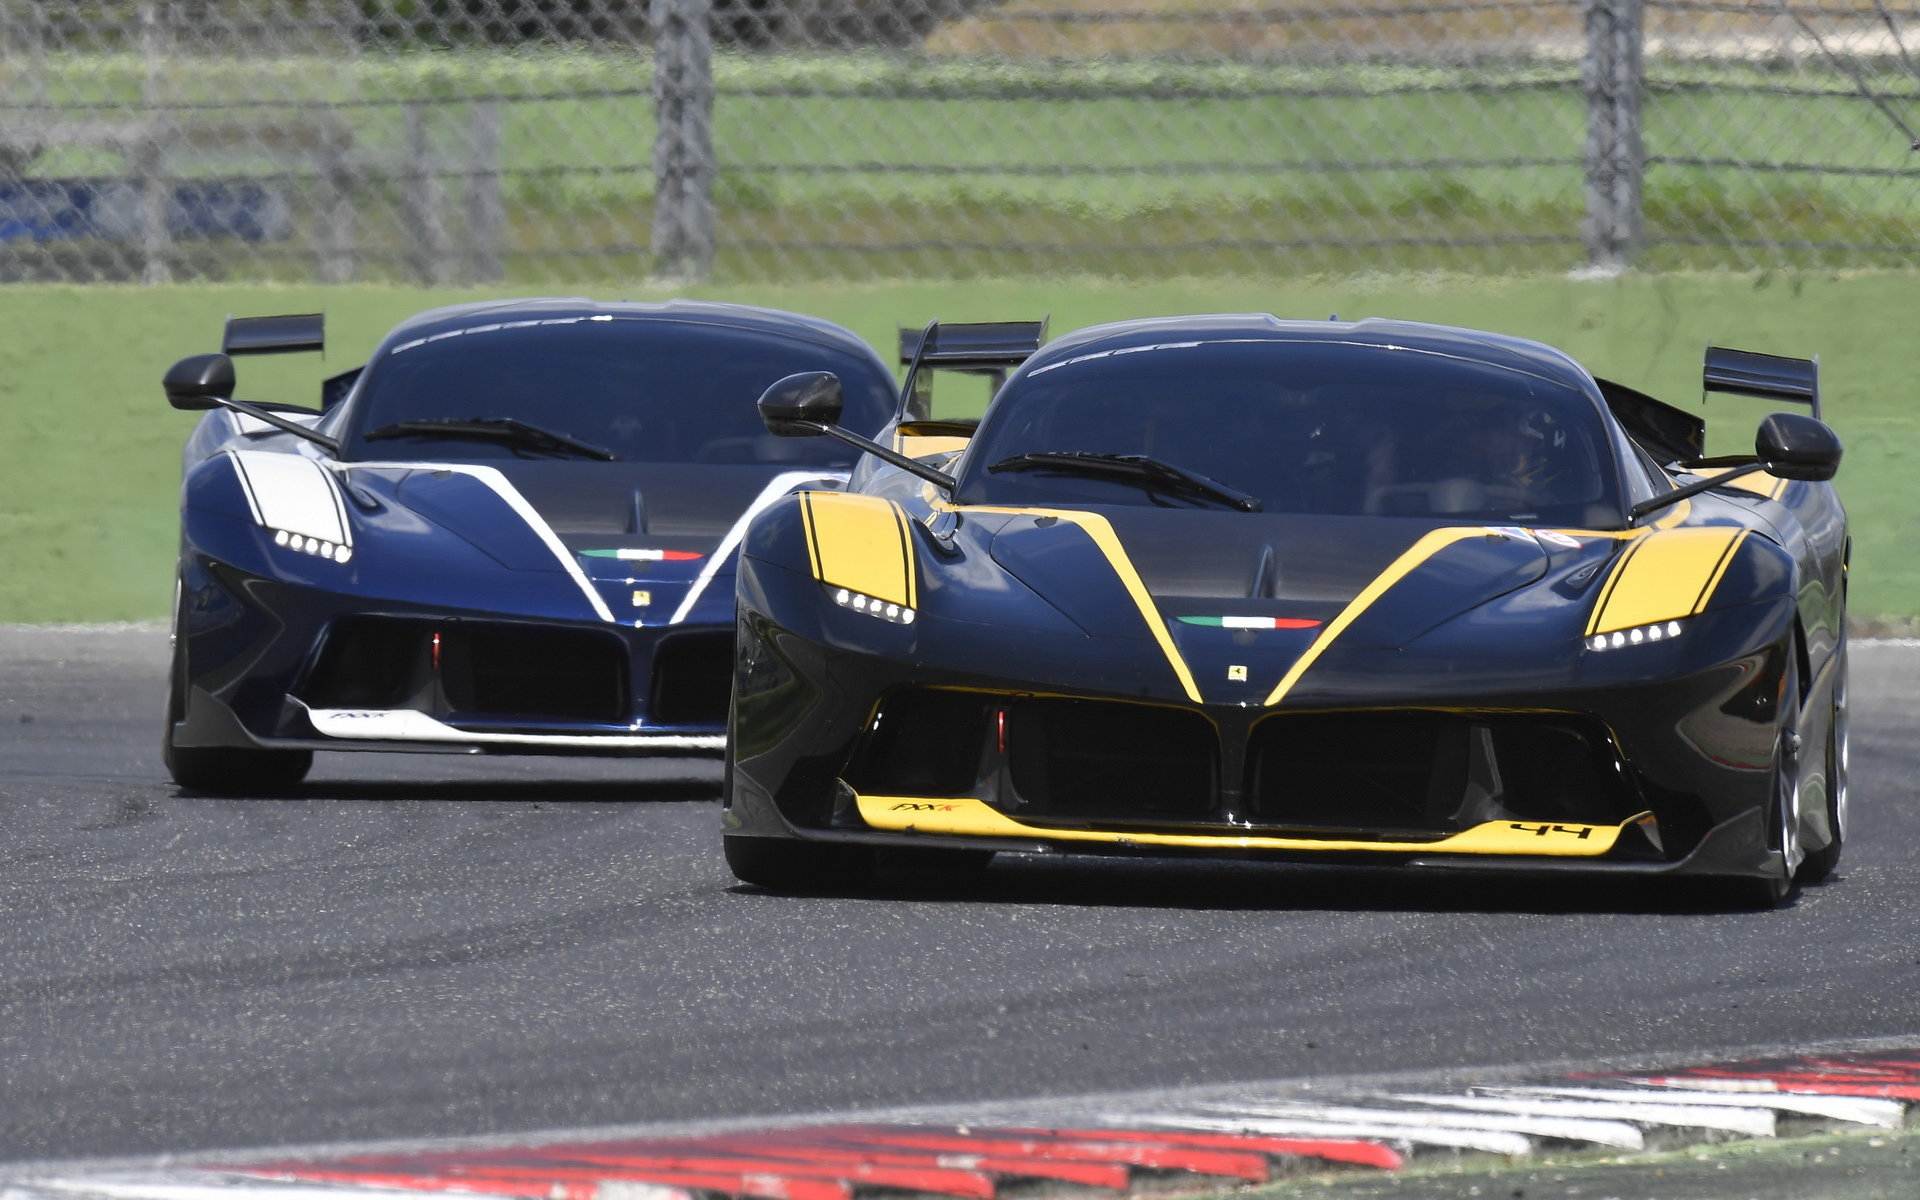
point(779, 486)
point(1860, 1110)
point(1489, 1141)
point(412, 725)
point(1620, 1134)
point(504, 488)
point(290, 492)
point(1751, 1122)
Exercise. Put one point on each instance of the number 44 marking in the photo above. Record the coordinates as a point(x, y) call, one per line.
point(1579, 831)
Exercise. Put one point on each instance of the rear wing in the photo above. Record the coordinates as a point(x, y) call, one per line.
point(1768, 376)
point(294, 333)
point(990, 348)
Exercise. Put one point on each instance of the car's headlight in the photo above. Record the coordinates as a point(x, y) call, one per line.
point(1639, 635)
point(886, 610)
point(312, 545)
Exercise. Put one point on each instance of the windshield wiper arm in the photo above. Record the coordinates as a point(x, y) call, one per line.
point(1134, 468)
point(493, 429)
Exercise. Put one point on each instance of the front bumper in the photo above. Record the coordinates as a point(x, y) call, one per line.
point(1651, 776)
point(265, 664)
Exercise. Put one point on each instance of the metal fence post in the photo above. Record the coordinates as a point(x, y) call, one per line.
point(683, 166)
point(1614, 79)
point(333, 204)
point(486, 212)
point(422, 200)
point(149, 153)
point(34, 35)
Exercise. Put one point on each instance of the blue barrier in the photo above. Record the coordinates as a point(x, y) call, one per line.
point(61, 210)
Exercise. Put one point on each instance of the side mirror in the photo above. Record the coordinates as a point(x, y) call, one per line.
point(802, 405)
point(199, 382)
point(1792, 446)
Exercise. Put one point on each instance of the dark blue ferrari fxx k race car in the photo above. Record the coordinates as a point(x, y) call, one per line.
point(1368, 591)
point(513, 530)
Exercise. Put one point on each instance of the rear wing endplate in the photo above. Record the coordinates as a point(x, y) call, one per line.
point(1768, 376)
point(293, 333)
point(990, 348)
point(1668, 433)
point(975, 346)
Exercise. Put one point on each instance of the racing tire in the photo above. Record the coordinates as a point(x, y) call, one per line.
point(222, 770)
point(1762, 892)
point(230, 771)
point(796, 867)
point(1819, 864)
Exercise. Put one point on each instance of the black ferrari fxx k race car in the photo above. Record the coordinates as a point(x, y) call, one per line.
point(1234, 585)
point(511, 531)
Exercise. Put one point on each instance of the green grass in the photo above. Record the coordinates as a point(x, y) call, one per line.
point(89, 450)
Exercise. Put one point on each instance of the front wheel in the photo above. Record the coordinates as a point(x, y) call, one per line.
point(793, 866)
point(1819, 864)
point(1755, 893)
point(231, 771)
point(1783, 839)
point(221, 770)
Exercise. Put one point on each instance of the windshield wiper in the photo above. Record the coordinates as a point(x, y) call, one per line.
point(1142, 469)
point(510, 430)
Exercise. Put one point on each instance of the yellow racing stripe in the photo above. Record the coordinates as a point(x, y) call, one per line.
point(1429, 545)
point(1101, 531)
point(1669, 574)
point(968, 817)
point(860, 543)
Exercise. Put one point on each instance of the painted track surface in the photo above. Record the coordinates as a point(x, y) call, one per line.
point(545, 944)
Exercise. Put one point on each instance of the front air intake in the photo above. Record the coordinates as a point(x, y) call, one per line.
point(1433, 773)
point(1102, 760)
point(471, 669)
point(692, 679)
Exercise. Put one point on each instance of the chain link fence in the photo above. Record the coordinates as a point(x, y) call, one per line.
point(542, 141)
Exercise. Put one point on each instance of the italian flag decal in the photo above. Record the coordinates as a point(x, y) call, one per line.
point(1252, 622)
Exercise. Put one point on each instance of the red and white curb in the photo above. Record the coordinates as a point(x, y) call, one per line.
point(1121, 1148)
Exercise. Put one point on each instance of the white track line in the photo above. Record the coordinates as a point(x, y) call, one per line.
point(1621, 1134)
point(1488, 1140)
point(1751, 1122)
point(252, 1187)
point(1860, 1110)
point(194, 1186)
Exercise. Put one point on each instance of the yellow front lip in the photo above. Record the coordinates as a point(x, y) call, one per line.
point(974, 818)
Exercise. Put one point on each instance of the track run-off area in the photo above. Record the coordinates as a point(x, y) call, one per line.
point(416, 947)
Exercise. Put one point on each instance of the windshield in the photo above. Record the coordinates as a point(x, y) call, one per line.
point(642, 389)
point(1305, 427)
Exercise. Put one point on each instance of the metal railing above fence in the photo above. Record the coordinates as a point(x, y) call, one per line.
point(545, 141)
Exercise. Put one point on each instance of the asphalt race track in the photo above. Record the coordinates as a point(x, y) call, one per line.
point(426, 945)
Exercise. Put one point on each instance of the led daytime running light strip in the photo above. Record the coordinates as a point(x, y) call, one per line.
point(899, 614)
point(1659, 631)
point(312, 545)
